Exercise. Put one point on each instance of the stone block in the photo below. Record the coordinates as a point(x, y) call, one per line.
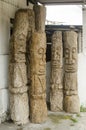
point(56, 101)
point(17, 75)
point(19, 108)
point(72, 104)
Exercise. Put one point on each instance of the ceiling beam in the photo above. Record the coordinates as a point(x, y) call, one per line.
point(53, 2)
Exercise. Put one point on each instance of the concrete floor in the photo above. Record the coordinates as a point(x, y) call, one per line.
point(55, 121)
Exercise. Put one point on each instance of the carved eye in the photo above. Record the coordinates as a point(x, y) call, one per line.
point(41, 51)
point(66, 53)
point(73, 50)
point(66, 50)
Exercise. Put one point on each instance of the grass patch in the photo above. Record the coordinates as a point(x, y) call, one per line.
point(57, 118)
point(74, 120)
point(47, 129)
point(82, 108)
point(78, 115)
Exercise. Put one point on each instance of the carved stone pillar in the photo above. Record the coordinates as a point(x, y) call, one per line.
point(56, 92)
point(38, 108)
point(71, 99)
point(40, 17)
point(19, 107)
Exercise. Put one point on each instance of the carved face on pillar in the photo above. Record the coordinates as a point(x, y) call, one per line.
point(38, 63)
point(56, 50)
point(38, 50)
point(70, 54)
point(56, 56)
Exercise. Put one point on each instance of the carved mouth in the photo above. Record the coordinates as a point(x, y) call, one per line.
point(55, 63)
point(42, 71)
point(70, 69)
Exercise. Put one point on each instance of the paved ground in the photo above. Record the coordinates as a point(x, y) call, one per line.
point(55, 121)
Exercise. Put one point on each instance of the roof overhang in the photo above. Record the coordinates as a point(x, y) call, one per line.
point(47, 2)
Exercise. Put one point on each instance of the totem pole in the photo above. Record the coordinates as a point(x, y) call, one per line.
point(71, 99)
point(17, 69)
point(56, 90)
point(37, 49)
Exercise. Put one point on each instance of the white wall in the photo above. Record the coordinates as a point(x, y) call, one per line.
point(82, 78)
point(7, 11)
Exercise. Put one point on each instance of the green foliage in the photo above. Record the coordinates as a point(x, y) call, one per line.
point(82, 108)
point(74, 120)
point(78, 115)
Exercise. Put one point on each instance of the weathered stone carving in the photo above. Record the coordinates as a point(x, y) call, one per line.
point(71, 99)
point(19, 107)
point(40, 17)
point(38, 108)
point(56, 92)
point(17, 69)
point(56, 100)
point(18, 75)
point(71, 104)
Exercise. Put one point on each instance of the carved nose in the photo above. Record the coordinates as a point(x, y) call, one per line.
point(70, 59)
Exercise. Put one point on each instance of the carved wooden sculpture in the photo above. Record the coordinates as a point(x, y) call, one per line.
point(71, 99)
point(38, 108)
point(56, 92)
point(17, 69)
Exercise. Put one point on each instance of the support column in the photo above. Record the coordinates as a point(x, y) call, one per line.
point(56, 91)
point(38, 108)
point(17, 69)
point(71, 99)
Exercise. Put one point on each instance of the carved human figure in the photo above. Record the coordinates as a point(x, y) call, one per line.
point(70, 51)
point(70, 75)
point(38, 78)
point(56, 92)
point(19, 106)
